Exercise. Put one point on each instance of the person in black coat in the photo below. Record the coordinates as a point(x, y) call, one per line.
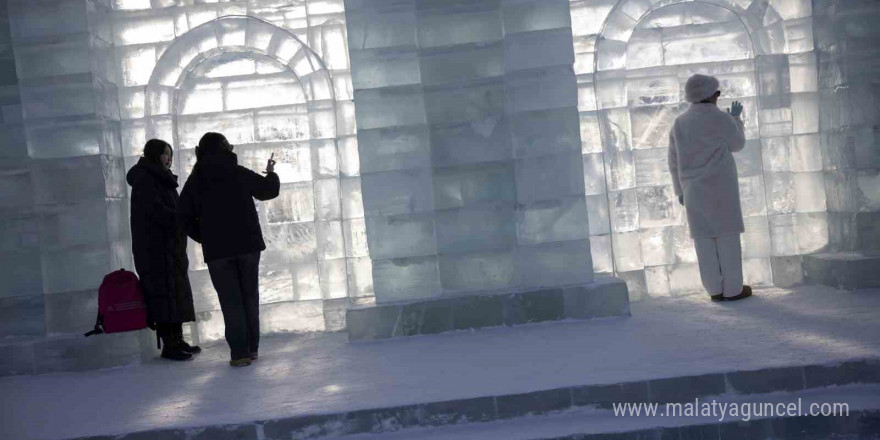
point(217, 210)
point(159, 247)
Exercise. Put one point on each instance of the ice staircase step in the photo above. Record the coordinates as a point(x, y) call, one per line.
point(843, 270)
point(860, 420)
point(573, 402)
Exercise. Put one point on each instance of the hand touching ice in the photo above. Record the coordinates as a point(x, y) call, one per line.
point(735, 109)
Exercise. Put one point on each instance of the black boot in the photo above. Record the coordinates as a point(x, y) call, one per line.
point(172, 350)
point(178, 335)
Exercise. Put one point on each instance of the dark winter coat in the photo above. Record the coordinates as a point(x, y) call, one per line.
point(217, 206)
point(159, 244)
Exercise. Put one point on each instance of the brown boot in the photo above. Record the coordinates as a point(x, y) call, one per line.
point(746, 292)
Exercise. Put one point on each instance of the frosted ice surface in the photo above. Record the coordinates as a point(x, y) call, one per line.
point(657, 280)
point(780, 192)
point(384, 69)
point(384, 108)
point(591, 141)
point(355, 234)
point(295, 203)
point(776, 152)
point(594, 174)
point(201, 98)
point(624, 207)
point(263, 91)
point(400, 236)
point(809, 192)
point(611, 55)
point(803, 72)
point(869, 190)
point(805, 113)
point(600, 251)
point(478, 228)
point(749, 161)
point(627, 251)
point(792, 9)
point(658, 246)
point(620, 170)
point(305, 281)
point(536, 16)
point(536, 49)
point(684, 278)
point(645, 49)
point(757, 272)
point(651, 125)
point(752, 197)
point(292, 316)
point(141, 29)
point(658, 206)
point(478, 271)
point(756, 238)
point(352, 198)
point(549, 177)
point(397, 192)
point(327, 202)
point(334, 283)
point(652, 167)
point(360, 276)
point(706, 43)
point(656, 89)
point(611, 89)
point(812, 231)
point(291, 242)
point(799, 35)
point(683, 245)
point(597, 213)
point(409, 278)
point(806, 153)
point(556, 220)
point(587, 16)
point(783, 235)
point(554, 264)
point(444, 29)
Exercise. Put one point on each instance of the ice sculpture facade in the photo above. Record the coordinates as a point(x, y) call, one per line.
point(632, 59)
point(469, 146)
point(86, 82)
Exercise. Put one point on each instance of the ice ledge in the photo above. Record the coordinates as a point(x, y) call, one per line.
point(843, 270)
point(604, 296)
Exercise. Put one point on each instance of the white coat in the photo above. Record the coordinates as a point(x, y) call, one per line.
point(703, 170)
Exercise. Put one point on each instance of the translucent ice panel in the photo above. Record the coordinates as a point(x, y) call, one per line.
point(406, 278)
point(783, 235)
point(478, 271)
point(776, 152)
point(803, 72)
point(545, 132)
point(238, 127)
point(290, 242)
point(386, 108)
point(682, 15)
point(624, 208)
point(306, 282)
point(651, 125)
point(360, 277)
point(292, 316)
point(658, 207)
point(752, 197)
point(658, 246)
point(748, 160)
point(812, 231)
point(143, 28)
point(805, 113)
point(597, 213)
point(655, 89)
point(684, 278)
point(594, 174)
point(757, 272)
point(683, 245)
point(400, 236)
point(791, 9)
point(652, 167)
point(263, 92)
point(706, 43)
point(587, 16)
point(334, 283)
point(620, 170)
point(201, 98)
point(444, 29)
point(657, 281)
point(295, 203)
point(645, 49)
point(384, 69)
point(283, 124)
point(780, 192)
point(756, 239)
point(809, 192)
point(600, 251)
point(397, 192)
point(550, 221)
point(535, 15)
point(627, 251)
point(806, 153)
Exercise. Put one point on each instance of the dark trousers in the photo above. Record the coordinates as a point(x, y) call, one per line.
point(237, 281)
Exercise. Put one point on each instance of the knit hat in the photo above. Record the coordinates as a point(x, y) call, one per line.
point(700, 87)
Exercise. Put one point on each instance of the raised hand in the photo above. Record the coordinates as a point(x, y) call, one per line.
point(735, 109)
point(270, 164)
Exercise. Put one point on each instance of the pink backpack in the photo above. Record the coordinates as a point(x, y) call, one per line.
point(121, 306)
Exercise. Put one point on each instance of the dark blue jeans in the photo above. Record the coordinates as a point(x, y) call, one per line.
point(237, 282)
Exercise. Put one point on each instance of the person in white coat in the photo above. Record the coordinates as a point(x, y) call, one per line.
point(704, 176)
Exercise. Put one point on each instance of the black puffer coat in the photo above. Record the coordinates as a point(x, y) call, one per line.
point(159, 243)
point(217, 206)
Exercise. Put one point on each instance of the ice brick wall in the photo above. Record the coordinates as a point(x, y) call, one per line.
point(91, 80)
point(63, 194)
point(848, 47)
point(274, 78)
point(469, 145)
point(632, 59)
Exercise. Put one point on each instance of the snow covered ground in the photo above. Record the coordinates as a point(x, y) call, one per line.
point(319, 374)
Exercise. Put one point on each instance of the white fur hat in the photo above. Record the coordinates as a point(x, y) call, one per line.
point(700, 87)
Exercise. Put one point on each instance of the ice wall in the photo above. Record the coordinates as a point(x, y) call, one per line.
point(97, 78)
point(632, 59)
point(848, 47)
point(469, 145)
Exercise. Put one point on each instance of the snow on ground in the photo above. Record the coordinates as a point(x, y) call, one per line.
point(318, 374)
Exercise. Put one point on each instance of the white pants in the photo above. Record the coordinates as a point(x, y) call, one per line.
point(720, 260)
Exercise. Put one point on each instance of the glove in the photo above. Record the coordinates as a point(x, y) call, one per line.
point(681, 200)
point(735, 109)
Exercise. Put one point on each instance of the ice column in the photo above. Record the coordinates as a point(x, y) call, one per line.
point(64, 199)
point(469, 146)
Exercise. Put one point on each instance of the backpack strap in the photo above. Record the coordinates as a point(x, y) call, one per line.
point(99, 324)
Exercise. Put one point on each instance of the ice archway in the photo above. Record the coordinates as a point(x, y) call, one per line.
point(631, 77)
point(268, 92)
